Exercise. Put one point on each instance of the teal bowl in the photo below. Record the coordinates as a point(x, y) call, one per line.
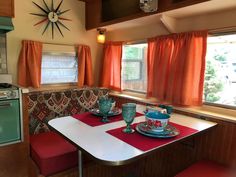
point(157, 121)
point(157, 115)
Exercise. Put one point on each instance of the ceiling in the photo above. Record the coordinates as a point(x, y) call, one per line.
point(208, 7)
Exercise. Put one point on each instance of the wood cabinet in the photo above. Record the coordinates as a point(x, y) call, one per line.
point(93, 11)
point(106, 12)
point(7, 8)
point(113, 9)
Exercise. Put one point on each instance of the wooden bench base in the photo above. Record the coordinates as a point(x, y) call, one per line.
point(207, 169)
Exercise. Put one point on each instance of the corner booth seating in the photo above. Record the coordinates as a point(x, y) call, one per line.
point(51, 152)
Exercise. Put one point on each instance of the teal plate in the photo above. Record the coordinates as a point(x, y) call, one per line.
point(169, 132)
point(115, 112)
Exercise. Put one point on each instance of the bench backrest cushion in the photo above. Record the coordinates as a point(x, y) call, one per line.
point(46, 105)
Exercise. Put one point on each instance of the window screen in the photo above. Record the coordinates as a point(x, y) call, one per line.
point(134, 68)
point(59, 68)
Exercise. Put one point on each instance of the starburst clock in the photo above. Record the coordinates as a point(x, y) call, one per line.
point(52, 16)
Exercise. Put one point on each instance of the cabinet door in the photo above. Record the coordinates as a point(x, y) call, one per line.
point(93, 13)
point(9, 121)
point(7, 8)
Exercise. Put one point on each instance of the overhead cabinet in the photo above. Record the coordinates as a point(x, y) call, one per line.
point(7, 8)
point(113, 9)
point(106, 12)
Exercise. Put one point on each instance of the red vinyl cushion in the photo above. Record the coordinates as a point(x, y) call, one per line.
point(207, 169)
point(52, 153)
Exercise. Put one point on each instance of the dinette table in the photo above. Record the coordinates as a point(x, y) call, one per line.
point(97, 139)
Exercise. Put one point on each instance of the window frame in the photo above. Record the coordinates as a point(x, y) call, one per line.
point(132, 91)
point(218, 105)
point(59, 53)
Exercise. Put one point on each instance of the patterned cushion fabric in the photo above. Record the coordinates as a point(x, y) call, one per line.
point(52, 153)
point(46, 105)
point(207, 169)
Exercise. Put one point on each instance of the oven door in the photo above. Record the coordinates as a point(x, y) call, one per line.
point(10, 122)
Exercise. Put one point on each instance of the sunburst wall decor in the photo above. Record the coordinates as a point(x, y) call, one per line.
point(52, 16)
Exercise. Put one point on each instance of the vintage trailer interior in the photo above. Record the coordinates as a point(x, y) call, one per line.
point(128, 88)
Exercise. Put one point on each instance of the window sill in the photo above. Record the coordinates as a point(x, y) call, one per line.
point(212, 112)
point(47, 88)
point(134, 96)
point(55, 88)
point(224, 114)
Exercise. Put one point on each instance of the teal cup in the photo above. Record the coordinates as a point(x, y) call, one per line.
point(128, 114)
point(104, 105)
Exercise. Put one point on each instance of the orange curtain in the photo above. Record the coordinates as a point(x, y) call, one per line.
point(177, 66)
point(29, 64)
point(159, 58)
point(111, 72)
point(85, 75)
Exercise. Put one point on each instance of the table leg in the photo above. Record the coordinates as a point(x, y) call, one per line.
point(80, 163)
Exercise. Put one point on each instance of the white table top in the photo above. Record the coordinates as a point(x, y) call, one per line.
point(108, 149)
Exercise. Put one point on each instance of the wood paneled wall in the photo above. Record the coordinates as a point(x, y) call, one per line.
point(220, 143)
point(113, 9)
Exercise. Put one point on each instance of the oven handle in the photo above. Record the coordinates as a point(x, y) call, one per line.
point(5, 105)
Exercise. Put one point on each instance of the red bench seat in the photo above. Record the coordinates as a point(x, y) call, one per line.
point(52, 153)
point(207, 169)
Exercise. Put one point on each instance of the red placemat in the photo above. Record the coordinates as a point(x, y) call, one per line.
point(146, 143)
point(92, 120)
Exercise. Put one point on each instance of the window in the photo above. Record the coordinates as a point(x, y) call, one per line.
point(220, 73)
point(59, 68)
point(134, 77)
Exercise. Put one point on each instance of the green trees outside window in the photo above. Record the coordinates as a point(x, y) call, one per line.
point(220, 71)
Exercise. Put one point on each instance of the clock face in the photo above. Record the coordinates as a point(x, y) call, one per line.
point(51, 16)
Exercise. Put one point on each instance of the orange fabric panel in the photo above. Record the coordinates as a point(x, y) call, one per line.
point(177, 65)
point(111, 72)
point(29, 64)
point(159, 58)
point(85, 74)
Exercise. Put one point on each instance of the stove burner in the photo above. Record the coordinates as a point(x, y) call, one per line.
point(8, 91)
point(5, 85)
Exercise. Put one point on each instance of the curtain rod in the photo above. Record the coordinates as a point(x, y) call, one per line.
point(212, 31)
point(221, 30)
point(138, 41)
point(59, 44)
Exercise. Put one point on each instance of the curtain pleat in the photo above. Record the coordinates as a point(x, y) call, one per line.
point(111, 71)
point(29, 64)
point(85, 75)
